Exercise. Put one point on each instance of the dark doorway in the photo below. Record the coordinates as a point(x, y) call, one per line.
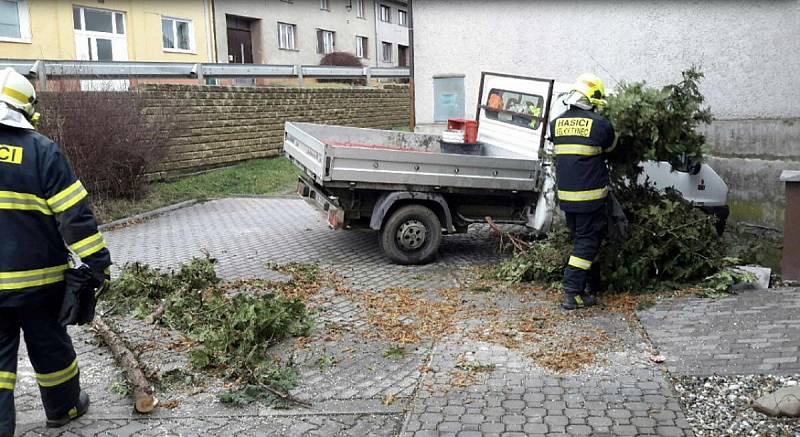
point(402, 56)
point(240, 40)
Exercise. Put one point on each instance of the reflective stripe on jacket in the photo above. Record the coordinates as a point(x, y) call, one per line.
point(42, 207)
point(580, 138)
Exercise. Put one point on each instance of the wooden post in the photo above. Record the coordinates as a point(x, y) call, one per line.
point(790, 266)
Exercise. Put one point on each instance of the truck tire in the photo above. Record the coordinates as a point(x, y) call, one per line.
point(411, 235)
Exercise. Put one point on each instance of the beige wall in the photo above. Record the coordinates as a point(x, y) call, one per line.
point(53, 36)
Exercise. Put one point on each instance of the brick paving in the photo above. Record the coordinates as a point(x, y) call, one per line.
point(753, 332)
point(348, 378)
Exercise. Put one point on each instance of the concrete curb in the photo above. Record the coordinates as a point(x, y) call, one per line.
point(147, 215)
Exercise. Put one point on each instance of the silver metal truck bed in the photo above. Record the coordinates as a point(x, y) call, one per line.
point(334, 155)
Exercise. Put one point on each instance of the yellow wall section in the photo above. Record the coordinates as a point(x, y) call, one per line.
point(53, 36)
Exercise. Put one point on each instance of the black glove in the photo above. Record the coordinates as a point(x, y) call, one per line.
point(80, 295)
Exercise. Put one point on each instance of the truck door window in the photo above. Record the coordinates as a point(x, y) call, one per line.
point(515, 108)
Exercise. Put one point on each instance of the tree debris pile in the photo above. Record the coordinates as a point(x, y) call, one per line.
point(232, 331)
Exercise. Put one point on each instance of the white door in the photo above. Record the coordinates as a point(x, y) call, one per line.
point(100, 36)
point(512, 113)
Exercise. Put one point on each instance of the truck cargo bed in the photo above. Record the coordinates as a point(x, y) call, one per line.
point(335, 155)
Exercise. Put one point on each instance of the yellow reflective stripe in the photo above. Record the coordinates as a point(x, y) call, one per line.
point(577, 149)
point(31, 278)
point(58, 378)
point(68, 197)
point(16, 95)
point(580, 263)
point(89, 245)
point(23, 201)
point(7, 380)
point(583, 196)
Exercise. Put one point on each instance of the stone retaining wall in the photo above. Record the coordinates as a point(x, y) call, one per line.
point(213, 125)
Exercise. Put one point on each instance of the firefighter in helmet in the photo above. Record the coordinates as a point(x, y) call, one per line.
point(45, 216)
point(581, 138)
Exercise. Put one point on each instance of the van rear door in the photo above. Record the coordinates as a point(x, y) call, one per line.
point(513, 112)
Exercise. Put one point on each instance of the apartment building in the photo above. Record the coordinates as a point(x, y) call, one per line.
point(106, 30)
point(296, 32)
point(391, 33)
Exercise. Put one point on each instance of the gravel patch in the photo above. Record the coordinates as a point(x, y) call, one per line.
point(721, 405)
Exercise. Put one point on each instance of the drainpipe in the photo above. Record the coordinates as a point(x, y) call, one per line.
point(208, 9)
point(376, 17)
point(412, 117)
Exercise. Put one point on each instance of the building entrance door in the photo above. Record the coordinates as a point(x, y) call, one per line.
point(240, 40)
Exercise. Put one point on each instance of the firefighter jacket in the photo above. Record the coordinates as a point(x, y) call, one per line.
point(581, 138)
point(43, 212)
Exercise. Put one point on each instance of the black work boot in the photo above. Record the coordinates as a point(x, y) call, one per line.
point(74, 413)
point(573, 301)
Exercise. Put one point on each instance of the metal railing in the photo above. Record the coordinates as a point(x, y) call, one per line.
point(41, 70)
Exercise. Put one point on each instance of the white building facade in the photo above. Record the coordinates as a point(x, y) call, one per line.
point(391, 33)
point(748, 51)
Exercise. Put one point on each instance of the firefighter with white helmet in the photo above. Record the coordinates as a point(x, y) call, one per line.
point(45, 216)
point(581, 138)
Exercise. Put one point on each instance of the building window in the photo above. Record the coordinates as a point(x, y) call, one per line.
point(325, 41)
point(362, 47)
point(14, 22)
point(177, 35)
point(386, 14)
point(286, 33)
point(98, 20)
point(387, 51)
point(402, 18)
point(360, 8)
point(323, 4)
point(99, 34)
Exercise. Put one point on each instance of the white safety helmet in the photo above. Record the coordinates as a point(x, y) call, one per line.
point(19, 97)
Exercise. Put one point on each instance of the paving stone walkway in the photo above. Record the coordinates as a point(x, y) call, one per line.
point(349, 378)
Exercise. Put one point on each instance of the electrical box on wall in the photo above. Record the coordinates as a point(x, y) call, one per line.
point(448, 97)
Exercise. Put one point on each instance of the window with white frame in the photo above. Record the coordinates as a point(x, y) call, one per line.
point(177, 35)
point(402, 18)
point(362, 50)
point(360, 8)
point(386, 14)
point(99, 34)
point(14, 21)
point(286, 33)
point(387, 51)
point(325, 41)
point(323, 4)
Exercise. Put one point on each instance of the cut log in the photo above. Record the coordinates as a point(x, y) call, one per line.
point(143, 393)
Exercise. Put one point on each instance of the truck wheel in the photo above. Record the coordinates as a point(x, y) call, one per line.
point(411, 235)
